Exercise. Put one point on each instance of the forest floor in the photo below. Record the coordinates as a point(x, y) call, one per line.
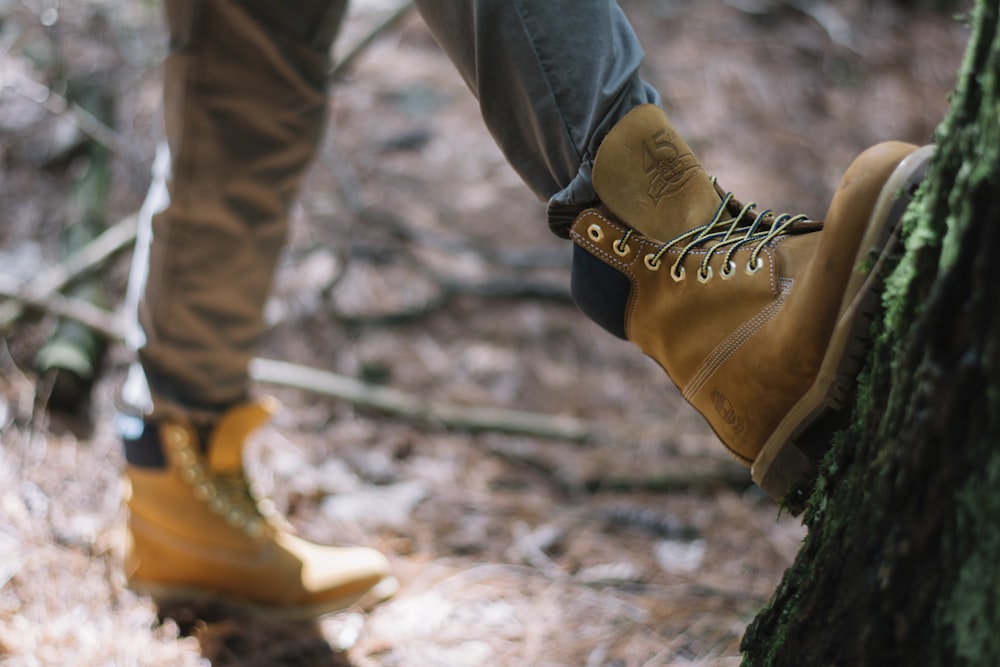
point(418, 260)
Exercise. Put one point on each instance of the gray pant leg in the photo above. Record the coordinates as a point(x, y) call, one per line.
point(552, 77)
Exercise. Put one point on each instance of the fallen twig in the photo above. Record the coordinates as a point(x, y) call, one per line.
point(81, 118)
point(695, 477)
point(683, 476)
point(394, 18)
point(400, 403)
point(282, 373)
point(70, 358)
point(116, 238)
point(829, 18)
point(76, 310)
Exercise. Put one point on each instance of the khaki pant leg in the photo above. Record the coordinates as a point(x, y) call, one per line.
point(244, 106)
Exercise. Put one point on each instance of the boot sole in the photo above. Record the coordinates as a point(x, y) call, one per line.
point(791, 455)
point(168, 596)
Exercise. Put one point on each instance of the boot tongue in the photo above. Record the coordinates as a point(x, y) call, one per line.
point(647, 176)
point(225, 450)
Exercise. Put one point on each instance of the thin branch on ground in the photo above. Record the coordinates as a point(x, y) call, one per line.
point(384, 26)
point(403, 404)
point(384, 399)
point(82, 119)
point(97, 319)
point(682, 477)
point(40, 291)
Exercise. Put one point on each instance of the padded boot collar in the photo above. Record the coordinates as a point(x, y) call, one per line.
point(225, 448)
point(647, 175)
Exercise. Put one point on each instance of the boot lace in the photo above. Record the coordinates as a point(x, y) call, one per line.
point(236, 502)
point(227, 494)
point(747, 227)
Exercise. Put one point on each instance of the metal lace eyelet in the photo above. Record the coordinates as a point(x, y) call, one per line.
point(678, 274)
point(706, 276)
point(236, 518)
point(621, 248)
point(652, 262)
point(254, 528)
point(752, 269)
point(266, 507)
point(193, 473)
point(176, 436)
point(185, 456)
point(204, 491)
point(595, 232)
point(219, 504)
point(728, 271)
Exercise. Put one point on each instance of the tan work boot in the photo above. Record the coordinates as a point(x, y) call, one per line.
point(197, 532)
point(759, 319)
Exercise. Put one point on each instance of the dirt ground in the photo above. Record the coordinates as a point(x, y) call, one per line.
point(419, 261)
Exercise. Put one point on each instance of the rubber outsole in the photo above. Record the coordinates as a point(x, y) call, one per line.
point(792, 453)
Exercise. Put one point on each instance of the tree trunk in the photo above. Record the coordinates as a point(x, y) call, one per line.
point(902, 562)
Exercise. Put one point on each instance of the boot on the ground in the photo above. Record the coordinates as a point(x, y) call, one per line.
point(760, 319)
point(197, 532)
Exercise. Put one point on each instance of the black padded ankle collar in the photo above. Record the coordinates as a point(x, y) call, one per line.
point(600, 291)
point(141, 442)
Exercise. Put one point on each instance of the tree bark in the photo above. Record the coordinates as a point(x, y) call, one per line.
point(901, 565)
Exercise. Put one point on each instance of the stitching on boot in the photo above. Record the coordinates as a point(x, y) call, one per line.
point(584, 240)
point(736, 340)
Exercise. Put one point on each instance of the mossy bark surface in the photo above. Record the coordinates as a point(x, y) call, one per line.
point(901, 565)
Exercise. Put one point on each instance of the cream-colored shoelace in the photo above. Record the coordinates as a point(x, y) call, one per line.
point(736, 232)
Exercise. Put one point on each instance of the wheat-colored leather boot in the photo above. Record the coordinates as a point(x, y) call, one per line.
point(196, 531)
point(760, 319)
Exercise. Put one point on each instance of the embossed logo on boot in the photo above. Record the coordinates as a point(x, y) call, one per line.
point(666, 167)
point(728, 413)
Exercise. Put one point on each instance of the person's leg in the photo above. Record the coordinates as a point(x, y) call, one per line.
point(245, 103)
point(244, 108)
point(767, 356)
point(552, 78)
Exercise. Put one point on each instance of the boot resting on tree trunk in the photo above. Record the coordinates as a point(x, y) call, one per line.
point(196, 531)
point(760, 319)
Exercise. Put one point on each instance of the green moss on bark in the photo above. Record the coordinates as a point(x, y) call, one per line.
point(902, 562)
point(972, 607)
